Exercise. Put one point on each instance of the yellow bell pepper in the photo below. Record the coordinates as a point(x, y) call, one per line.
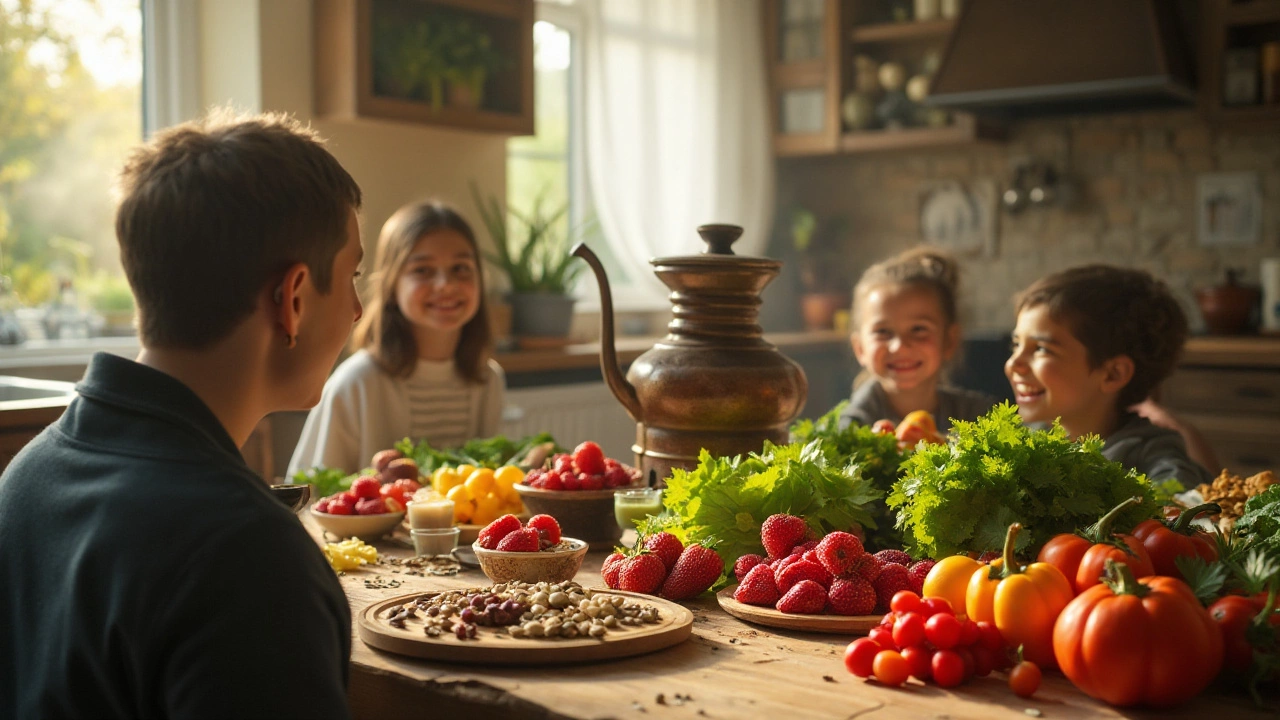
point(949, 579)
point(1023, 602)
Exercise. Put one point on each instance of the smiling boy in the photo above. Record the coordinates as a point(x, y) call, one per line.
point(1092, 342)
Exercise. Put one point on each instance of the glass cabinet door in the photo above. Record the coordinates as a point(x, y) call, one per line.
point(800, 30)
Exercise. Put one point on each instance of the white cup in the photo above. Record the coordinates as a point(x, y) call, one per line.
point(1270, 271)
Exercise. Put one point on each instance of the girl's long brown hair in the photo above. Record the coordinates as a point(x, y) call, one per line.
point(384, 330)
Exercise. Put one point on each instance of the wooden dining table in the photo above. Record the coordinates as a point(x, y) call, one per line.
point(726, 669)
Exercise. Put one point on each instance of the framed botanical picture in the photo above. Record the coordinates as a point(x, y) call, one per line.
point(1229, 208)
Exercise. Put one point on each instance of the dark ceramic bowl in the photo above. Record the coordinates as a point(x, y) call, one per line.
point(294, 496)
point(583, 514)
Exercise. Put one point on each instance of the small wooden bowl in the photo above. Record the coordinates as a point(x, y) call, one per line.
point(531, 567)
point(584, 514)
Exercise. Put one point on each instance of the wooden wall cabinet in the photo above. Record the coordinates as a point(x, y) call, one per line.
point(810, 48)
point(461, 63)
point(1239, 36)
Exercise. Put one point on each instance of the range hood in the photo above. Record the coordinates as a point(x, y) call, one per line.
point(1022, 58)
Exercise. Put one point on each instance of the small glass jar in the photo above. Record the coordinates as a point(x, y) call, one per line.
point(429, 542)
point(436, 512)
point(631, 506)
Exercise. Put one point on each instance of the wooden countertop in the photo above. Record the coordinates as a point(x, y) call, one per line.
point(587, 355)
point(728, 669)
point(1233, 350)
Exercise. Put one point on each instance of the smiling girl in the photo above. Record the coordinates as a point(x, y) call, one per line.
point(422, 367)
point(906, 331)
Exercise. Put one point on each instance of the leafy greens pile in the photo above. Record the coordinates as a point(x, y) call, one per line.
point(491, 452)
point(876, 455)
point(1260, 523)
point(728, 499)
point(962, 496)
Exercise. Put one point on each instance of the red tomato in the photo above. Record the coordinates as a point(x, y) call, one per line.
point(942, 630)
point(883, 637)
point(859, 656)
point(948, 668)
point(984, 661)
point(909, 630)
point(1024, 679)
point(1233, 614)
point(936, 605)
point(920, 659)
point(1168, 541)
point(905, 601)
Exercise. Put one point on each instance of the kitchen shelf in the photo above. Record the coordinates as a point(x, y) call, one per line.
point(1248, 114)
point(966, 130)
point(902, 31)
point(1257, 12)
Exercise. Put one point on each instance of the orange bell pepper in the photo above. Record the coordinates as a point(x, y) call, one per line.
point(949, 579)
point(1023, 602)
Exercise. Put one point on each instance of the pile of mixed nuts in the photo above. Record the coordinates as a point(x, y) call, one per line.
point(525, 610)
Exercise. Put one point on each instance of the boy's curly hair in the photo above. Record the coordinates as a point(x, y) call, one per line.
point(1116, 311)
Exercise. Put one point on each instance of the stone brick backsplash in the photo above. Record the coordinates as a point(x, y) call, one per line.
point(1135, 183)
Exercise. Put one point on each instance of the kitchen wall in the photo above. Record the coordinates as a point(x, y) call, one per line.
point(1136, 180)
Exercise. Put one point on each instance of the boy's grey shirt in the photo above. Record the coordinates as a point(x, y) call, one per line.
point(1159, 453)
point(870, 403)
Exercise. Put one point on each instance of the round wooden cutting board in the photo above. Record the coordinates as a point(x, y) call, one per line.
point(494, 647)
point(842, 624)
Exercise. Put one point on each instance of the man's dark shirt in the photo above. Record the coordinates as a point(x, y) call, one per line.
point(147, 572)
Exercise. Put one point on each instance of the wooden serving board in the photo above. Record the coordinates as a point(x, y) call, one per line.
point(494, 647)
point(841, 624)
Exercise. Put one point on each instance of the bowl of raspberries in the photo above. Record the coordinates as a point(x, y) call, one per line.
point(536, 551)
point(577, 489)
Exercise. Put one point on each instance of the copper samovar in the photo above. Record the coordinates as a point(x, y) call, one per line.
point(713, 382)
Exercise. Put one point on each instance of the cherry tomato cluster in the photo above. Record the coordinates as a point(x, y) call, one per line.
point(923, 638)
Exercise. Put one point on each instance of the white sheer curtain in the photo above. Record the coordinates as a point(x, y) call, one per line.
point(677, 125)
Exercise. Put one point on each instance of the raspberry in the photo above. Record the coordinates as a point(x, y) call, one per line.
point(366, 487)
point(805, 598)
point(323, 507)
point(524, 540)
point(917, 572)
point(757, 587)
point(892, 579)
point(802, 570)
point(854, 596)
point(746, 564)
point(897, 557)
point(552, 480)
point(838, 552)
point(371, 506)
point(340, 505)
point(547, 527)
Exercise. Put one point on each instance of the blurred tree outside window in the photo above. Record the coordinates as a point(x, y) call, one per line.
point(548, 166)
point(70, 110)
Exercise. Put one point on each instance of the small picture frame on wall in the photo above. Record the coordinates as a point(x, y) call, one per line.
point(1229, 209)
point(960, 217)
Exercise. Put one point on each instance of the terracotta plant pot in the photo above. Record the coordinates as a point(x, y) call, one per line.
point(1228, 308)
point(819, 309)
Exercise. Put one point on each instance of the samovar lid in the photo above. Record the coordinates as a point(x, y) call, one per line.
point(719, 253)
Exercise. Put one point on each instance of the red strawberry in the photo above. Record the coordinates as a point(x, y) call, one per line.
point(811, 556)
point(547, 527)
point(758, 588)
point(642, 573)
point(780, 565)
point(802, 570)
point(589, 458)
point(340, 505)
point(694, 573)
point(609, 571)
point(854, 596)
point(666, 546)
point(523, 540)
point(745, 564)
point(371, 506)
point(806, 598)
point(917, 572)
point(867, 567)
point(780, 533)
point(322, 506)
point(838, 552)
point(494, 532)
point(804, 547)
point(897, 557)
point(366, 487)
point(892, 579)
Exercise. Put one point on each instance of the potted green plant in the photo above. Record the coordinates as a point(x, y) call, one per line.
point(532, 250)
point(112, 298)
point(411, 60)
point(469, 59)
point(821, 274)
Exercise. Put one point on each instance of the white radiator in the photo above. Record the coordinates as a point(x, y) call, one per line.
point(572, 414)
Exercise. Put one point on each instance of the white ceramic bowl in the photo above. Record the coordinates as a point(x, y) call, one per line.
point(365, 527)
point(531, 567)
